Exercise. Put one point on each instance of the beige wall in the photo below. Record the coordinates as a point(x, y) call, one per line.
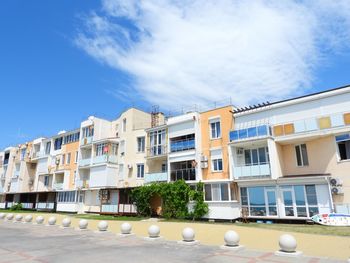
point(322, 155)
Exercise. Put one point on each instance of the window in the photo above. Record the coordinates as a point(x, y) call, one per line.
point(48, 148)
point(216, 192)
point(124, 125)
point(217, 165)
point(140, 144)
point(101, 149)
point(88, 131)
point(182, 143)
point(58, 143)
point(71, 138)
point(215, 129)
point(23, 154)
point(301, 155)
point(75, 177)
point(140, 170)
point(164, 167)
point(343, 143)
point(68, 158)
point(76, 157)
point(66, 197)
point(122, 147)
point(113, 149)
point(63, 159)
point(157, 142)
point(256, 156)
point(46, 180)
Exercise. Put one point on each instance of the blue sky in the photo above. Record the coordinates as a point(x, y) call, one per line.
point(61, 61)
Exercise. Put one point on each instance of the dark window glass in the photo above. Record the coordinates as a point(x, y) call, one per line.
point(224, 192)
point(256, 195)
point(207, 189)
point(299, 195)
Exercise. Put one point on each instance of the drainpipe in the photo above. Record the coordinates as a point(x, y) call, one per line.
point(330, 195)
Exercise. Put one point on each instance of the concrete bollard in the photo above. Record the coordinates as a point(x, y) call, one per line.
point(18, 218)
point(153, 231)
point(28, 218)
point(66, 222)
point(2, 215)
point(288, 245)
point(125, 229)
point(39, 220)
point(231, 239)
point(83, 224)
point(102, 226)
point(9, 217)
point(188, 237)
point(52, 221)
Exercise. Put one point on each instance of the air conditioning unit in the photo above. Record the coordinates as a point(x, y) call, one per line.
point(204, 158)
point(337, 190)
point(240, 151)
point(204, 165)
point(335, 181)
point(129, 166)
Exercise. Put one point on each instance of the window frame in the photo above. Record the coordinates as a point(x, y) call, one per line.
point(141, 144)
point(303, 163)
point(216, 190)
point(140, 173)
point(214, 128)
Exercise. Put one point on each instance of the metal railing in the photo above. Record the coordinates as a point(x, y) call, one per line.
point(183, 174)
point(182, 145)
point(47, 205)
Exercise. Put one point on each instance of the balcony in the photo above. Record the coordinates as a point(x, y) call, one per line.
point(156, 177)
point(82, 183)
point(182, 145)
point(86, 141)
point(250, 133)
point(261, 170)
point(188, 174)
point(105, 159)
point(85, 162)
point(45, 206)
point(156, 151)
point(58, 186)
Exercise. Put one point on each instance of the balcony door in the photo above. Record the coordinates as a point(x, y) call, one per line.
point(289, 201)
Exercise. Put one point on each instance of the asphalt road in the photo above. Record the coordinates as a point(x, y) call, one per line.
point(21, 242)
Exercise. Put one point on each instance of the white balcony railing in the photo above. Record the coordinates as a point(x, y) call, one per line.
point(58, 186)
point(28, 205)
point(85, 162)
point(156, 177)
point(86, 140)
point(251, 171)
point(105, 159)
point(45, 205)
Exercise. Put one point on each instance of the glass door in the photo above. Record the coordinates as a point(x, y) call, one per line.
point(288, 201)
point(270, 195)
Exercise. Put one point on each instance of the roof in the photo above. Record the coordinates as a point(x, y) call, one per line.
point(265, 104)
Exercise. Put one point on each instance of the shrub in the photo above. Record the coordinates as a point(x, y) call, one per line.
point(16, 207)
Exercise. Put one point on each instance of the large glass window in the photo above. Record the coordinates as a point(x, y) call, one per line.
point(301, 155)
point(216, 192)
point(140, 170)
point(343, 144)
point(88, 131)
point(48, 148)
point(66, 197)
point(58, 143)
point(157, 142)
point(101, 149)
point(256, 156)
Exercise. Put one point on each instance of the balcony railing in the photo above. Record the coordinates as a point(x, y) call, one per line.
point(82, 183)
point(251, 171)
point(156, 177)
point(183, 145)
point(86, 140)
point(28, 205)
point(121, 208)
point(183, 174)
point(105, 159)
point(157, 150)
point(248, 133)
point(47, 205)
point(58, 186)
point(85, 162)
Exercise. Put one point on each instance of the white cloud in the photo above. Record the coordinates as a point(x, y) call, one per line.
point(196, 52)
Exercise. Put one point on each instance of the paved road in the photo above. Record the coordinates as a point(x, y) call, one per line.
point(21, 242)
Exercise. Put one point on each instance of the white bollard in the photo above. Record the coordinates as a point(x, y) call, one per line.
point(9, 217)
point(52, 221)
point(231, 239)
point(66, 222)
point(188, 236)
point(28, 218)
point(83, 224)
point(125, 229)
point(2, 215)
point(288, 245)
point(153, 231)
point(39, 220)
point(102, 226)
point(18, 218)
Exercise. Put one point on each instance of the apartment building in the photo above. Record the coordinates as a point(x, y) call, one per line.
point(290, 159)
point(220, 191)
point(112, 161)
